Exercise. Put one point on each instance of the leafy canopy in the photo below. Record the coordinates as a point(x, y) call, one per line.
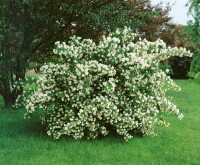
point(29, 28)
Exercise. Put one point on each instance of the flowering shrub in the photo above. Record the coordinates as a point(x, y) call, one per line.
point(116, 84)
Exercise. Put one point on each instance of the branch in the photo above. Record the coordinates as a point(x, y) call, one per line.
point(44, 7)
point(100, 3)
point(95, 5)
point(51, 20)
point(15, 14)
point(3, 86)
point(42, 42)
point(1, 90)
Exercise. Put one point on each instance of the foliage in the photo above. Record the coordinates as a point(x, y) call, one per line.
point(195, 75)
point(195, 67)
point(175, 35)
point(193, 29)
point(156, 26)
point(114, 84)
point(166, 68)
point(194, 25)
point(180, 67)
point(34, 66)
point(140, 15)
point(30, 28)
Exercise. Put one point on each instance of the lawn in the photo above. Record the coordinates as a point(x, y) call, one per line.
point(24, 142)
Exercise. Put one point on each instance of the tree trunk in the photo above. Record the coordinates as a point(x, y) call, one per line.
point(9, 93)
point(6, 92)
point(9, 100)
point(21, 63)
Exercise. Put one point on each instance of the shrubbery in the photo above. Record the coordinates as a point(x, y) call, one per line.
point(195, 66)
point(168, 68)
point(116, 84)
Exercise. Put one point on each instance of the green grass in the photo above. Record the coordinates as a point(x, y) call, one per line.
point(24, 142)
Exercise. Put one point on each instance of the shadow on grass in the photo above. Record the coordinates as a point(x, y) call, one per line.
point(111, 137)
point(13, 125)
point(20, 128)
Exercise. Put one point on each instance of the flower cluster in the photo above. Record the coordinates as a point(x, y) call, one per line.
point(113, 85)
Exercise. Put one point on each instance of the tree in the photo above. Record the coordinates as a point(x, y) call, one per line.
point(193, 30)
point(160, 26)
point(194, 25)
point(175, 36)
point(156, 25)
point(29, 27)
point(150, 21)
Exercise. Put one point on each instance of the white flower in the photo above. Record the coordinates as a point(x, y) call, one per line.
point(57, 42)
point(117, 82)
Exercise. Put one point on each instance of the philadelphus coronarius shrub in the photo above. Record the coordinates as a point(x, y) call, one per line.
point(115, 84)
